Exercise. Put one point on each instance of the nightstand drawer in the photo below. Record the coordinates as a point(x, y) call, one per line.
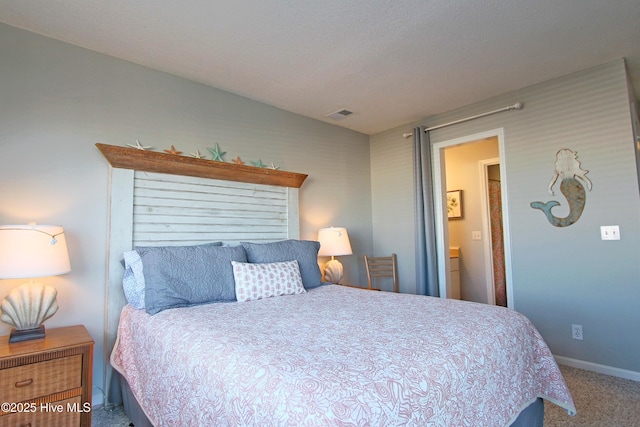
point(40, 379)
point(61, 414)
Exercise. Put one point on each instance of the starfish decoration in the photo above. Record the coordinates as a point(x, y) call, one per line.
point(139, 146)
point(274, 167)
point(217, 155)
point(258, 164)
point(172, 151)
point(197, 155)
point(237, 161)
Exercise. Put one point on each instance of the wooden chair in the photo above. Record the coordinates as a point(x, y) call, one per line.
point(382, 267)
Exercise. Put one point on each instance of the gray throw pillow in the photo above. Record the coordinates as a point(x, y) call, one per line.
point(303, 251)
point(181, 276)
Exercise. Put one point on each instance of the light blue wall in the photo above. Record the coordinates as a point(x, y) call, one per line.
point(392, 201)
point(58, 100)
point(561, 276)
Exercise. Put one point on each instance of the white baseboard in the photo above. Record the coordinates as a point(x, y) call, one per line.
point(600, 369)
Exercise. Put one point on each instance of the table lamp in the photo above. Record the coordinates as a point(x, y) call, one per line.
point(30, 251)
point(334, 241)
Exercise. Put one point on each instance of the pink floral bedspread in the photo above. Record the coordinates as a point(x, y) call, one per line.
point(336, 356)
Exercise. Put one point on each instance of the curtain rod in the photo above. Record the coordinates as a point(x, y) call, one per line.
point(516, 106)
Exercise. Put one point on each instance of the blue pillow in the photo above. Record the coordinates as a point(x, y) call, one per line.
point(303, 251)
point(181, 276)
point(133, 279)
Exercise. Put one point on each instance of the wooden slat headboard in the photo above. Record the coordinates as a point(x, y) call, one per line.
point(192, 210)
point(160, 209)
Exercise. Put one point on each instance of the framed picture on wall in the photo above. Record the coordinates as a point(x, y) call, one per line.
point(454, 204)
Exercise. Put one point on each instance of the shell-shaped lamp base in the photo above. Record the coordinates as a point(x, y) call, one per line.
point(333, 271)
point(29, 305)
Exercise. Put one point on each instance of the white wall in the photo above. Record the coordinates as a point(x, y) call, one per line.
point(59, 100)
point(564, 275)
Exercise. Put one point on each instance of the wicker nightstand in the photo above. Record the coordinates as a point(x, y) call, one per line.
point(47, 382)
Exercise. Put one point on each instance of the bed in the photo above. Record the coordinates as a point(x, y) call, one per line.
point(285, 348)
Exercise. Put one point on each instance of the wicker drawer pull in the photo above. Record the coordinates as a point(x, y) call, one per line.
point(25, 425)
point(24, 383)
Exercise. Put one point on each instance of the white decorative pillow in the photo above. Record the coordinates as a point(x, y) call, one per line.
point(133, 280)
point(256, 281)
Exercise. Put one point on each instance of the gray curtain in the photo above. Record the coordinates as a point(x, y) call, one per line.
point(426, 260)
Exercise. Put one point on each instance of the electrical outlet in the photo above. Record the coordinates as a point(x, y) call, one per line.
point(476, 235)
point(576, 332)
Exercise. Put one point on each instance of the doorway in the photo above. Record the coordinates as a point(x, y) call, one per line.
point(473, 233)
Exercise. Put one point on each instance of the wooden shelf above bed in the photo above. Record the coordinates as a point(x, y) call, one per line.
point(153, 161)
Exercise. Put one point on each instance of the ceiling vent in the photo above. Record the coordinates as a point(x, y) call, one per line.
point(340, 114)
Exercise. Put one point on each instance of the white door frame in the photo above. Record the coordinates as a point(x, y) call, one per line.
point(439, 195)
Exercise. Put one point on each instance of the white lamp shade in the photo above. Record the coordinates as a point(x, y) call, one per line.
point(29, 251)
point(334, 241)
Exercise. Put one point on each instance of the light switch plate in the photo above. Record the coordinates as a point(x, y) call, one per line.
point(476, 235)
point(610, 232)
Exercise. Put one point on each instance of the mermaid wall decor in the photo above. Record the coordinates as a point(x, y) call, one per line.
point(567, 168)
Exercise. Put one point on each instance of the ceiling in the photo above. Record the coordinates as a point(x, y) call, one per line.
point(390, 62)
